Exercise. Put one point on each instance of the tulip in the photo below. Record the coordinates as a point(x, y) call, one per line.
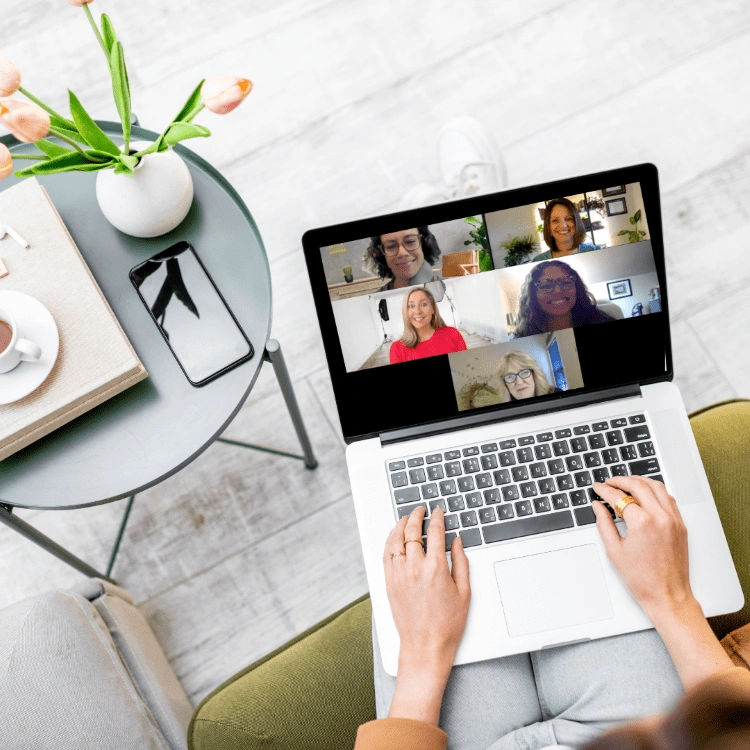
point(26, 121)
point(221, 94)
point(79, 3)
point(6, 162)
point(10, 78)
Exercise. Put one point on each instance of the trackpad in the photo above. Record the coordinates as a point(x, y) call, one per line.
point(553, 590)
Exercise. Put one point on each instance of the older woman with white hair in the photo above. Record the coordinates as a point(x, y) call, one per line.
point(522, 377)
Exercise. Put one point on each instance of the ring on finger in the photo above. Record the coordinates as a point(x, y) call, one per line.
point(416, 539)
point(622, 503)
point(396, 554)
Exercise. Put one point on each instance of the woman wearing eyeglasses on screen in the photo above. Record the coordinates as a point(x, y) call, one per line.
point(554, 297)
point(406, 257)
point(522, 377)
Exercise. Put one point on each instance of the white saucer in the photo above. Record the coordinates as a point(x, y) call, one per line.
point(36, 324)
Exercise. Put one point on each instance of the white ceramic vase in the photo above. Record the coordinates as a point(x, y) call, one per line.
point(151, 203)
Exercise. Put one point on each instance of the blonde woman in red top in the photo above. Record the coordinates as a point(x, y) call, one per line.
point(425, 332)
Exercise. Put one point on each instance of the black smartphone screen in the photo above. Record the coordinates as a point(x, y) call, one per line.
point(191, 314)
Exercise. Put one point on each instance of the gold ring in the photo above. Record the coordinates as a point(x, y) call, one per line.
point(396, 554)
point(623, 503)
point(419, 539)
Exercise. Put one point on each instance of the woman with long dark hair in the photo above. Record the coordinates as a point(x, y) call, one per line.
point(405, 257)
point(554, 297)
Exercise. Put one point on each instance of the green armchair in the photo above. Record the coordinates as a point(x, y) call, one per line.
point(316, 690)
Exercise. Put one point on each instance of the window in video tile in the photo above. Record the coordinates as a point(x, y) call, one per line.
point(515, 371)
point(409, 257)
point(567, 225)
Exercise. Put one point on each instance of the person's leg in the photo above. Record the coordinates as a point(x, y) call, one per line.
point(483, 701)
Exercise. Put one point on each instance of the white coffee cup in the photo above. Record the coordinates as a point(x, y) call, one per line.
point(18, 349)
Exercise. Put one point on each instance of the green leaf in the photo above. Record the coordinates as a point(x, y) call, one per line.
point(97, 155)
point(108, 33)
point(52, 149)
point(91, 167)
point(93, 134)
point(632, 219)
point(622, 233)
point(121, 168)
point(128, 160)
point(62, 163)
point(121, 87)
point(180, 131)
point(473, 220)
point(637, 216)
point(61, 123)
point(74, 135)
point(191, 106)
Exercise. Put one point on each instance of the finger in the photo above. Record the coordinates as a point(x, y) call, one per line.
point(395, 541)
point(666, 500)
point(635, 486)
point(607, 529)
point(413, 530)
point(612, 495)
point(460, 567)
point(436, 535)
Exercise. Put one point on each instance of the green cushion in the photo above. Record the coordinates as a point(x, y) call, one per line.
point(311, 693)
point(316, 690)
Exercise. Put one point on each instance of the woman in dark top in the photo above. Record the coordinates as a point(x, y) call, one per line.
point(554, 297)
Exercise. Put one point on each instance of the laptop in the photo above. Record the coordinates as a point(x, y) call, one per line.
point(502, 394)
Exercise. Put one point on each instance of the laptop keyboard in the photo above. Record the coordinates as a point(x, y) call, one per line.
point(530, 484)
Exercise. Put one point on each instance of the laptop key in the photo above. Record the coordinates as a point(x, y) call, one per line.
point(610, 456)
point(407, 495)
point(634, 434)
point(538, 470)
point(471, 537)
point(435, 472)
point(483, 480)
point(456, 503)
point(434, 458)
point(528, 489)
point(504, 512)
point(465, 484)
point(451, 522)
point(473, 451)
point(657, 478)
point(429, 491)
point(405, 510)
point(453, 469)
point(520, 473)
point(447, 487)
point(501, 476)
point(474, 500)
point(487, 515)
point(619, 470)
point(574, 463)
point(556, 466)
point(579, 444)
point(599, 426)
point(559, 434)
point(439, 503)
point(510, 493)
point(528, 440)
point(396, 465)
point(492, 496)
point(506, 458)
point(527, 526)
point(524, 508)
point(399, 479)
point(583, 478)
point(468, 518)
point(449, 537)
point(596, 442)
point(564, 482)
point(547, 486)
point(542, 451)
point(560, 501)
point(600, 475)
point(489, 462)
point(591, 460)
point(541, 505)
point(619, 423)
point(544, 437)
point(489, 448)
point(615, 437)
point(647, 466)
point(646, 449)
point(415, 462)
point(582, 430)
point(524, 455)
point(561, 448)
point(507, 444)
point(628, 452)
point(579, 497)
point(470, 465)
point(584, 516)
point(452, 455)
point(417, 476)
point(637, 419)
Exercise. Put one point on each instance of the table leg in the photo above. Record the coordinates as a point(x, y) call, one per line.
point(275, 356)
point(27, 530)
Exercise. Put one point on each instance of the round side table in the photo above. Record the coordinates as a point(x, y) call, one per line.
point(158, 426)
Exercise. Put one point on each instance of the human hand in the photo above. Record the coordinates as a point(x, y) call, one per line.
point(652, 559)
point(430, 605)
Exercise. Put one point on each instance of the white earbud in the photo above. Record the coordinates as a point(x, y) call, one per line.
point(5, 229)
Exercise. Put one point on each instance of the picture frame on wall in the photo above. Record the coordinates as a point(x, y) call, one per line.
point(616, 207)
point(610, 191)
point(618, 289)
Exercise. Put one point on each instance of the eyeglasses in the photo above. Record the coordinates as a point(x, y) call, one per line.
point(566, 283)
point(511, 376)
point(410, 243)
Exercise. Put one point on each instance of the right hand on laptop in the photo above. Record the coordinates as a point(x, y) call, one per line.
point(652, 560)
point(430, 604)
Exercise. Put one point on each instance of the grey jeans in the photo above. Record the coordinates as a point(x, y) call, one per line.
point(567, 695)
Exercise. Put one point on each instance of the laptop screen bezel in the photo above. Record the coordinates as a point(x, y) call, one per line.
point(313, 240)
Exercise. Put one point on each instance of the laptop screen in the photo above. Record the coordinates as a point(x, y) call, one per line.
point(514, 298)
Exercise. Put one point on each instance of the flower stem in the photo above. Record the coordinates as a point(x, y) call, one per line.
point(65, 138)
point(51, 111)
point(40, 157)
point(97, 32)
point(197, 111)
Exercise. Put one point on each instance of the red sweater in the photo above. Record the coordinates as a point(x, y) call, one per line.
point(444, 341)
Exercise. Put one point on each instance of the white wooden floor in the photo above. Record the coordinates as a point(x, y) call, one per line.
point(241, 551)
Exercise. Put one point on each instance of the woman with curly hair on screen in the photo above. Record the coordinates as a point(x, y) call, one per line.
point(405, 257)
point(554, 297)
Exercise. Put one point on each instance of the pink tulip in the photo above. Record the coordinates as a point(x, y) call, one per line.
point(26, 121)
point(10, 78)
point(221, 94)
point(80, 3)
point(6, 162)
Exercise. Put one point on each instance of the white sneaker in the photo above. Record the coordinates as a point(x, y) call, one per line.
point(422, 194)
point(469, 160)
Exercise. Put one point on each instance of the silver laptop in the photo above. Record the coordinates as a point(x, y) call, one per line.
point(494, 357)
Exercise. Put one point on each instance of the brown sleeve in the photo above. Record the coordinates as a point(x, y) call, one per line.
point(400, 734)
point(737, 645)
point(714, 715)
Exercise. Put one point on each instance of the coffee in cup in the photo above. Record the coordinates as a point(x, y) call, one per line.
point(13, 348)
point(6, 335)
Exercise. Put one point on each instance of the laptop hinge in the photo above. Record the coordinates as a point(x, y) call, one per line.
point(513, 412)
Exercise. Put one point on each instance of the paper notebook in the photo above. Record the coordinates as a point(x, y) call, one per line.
point(96, 360)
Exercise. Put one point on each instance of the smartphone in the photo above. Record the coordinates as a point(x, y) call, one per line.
point(191, 314)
